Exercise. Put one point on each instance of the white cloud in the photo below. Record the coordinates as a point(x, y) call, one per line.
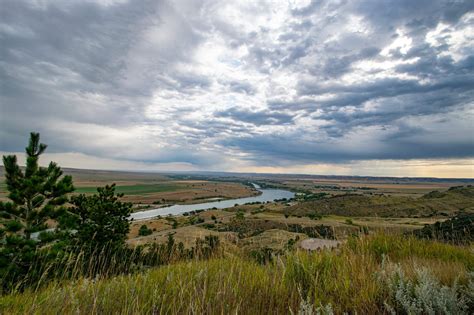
point(458, 38)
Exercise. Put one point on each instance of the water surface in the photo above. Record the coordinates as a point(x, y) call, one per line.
point(267, 195)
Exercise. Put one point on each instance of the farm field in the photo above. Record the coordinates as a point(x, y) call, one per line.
point(150, 189)
point(366, 186)
point(146, 188)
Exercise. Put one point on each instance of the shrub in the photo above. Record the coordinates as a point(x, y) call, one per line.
point(240, 215)
point(290, 244)
point(208, 226)
point(174, 224)
point(144, 230)
point(195, 220)
point(315, 216)
point(263, 255)
point(422, 295)
point(306, 308)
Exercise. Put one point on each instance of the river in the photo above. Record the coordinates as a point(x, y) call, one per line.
point(266, 195)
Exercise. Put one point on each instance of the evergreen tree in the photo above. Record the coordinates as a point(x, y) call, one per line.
point(37, 193)
point(102, 219)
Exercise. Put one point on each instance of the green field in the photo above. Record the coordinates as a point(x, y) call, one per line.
point(134, 189)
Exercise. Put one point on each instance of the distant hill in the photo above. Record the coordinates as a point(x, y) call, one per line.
point(87, 173)
point(380, 179)
point(99, 175)
point(435, 203)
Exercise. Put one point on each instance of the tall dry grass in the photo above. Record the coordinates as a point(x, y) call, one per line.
point(347, 279)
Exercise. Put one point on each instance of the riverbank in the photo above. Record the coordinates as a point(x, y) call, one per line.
point(265, 196)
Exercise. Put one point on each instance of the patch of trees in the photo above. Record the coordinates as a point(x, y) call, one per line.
point(315, 216)
point(312, 196)
point(252, 203)
point(192, 212)
point(195, 220)
point(458, 230)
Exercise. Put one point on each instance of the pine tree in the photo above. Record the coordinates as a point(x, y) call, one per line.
point(37, 193)
point(102, 219)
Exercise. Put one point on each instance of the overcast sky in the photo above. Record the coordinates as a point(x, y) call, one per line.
point(324, 87)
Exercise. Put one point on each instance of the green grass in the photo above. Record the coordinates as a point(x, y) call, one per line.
point(346, 278)
point(133, 189)
point(125, 189)
point(398, 248)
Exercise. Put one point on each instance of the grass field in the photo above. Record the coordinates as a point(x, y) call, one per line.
point(366, 275)
point(151, 188)
point(135, 189)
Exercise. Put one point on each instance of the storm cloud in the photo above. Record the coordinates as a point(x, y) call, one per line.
point(219, 85)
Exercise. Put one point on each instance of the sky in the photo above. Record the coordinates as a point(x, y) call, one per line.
point(376, 87)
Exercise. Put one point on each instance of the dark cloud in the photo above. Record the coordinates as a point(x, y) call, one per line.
point(337, 66)
point(207, 82)
point(405, 142)
point(256, 117)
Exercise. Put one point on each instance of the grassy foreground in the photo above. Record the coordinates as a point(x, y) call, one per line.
point(373, 274)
